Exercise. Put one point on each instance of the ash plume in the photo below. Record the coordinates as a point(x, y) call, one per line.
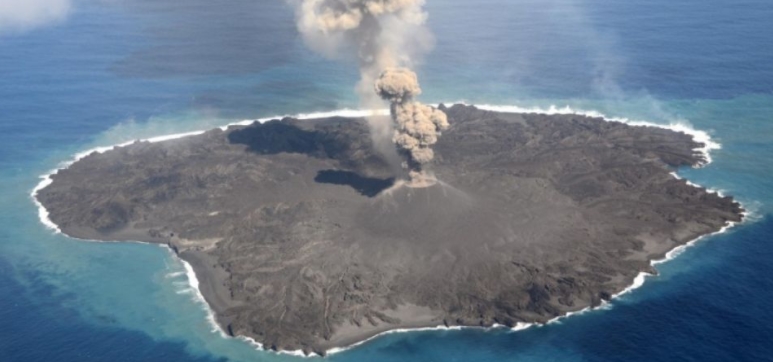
point(417, 126)
point(386, 37)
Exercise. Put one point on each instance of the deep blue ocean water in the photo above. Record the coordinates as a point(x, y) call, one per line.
point(116, 71)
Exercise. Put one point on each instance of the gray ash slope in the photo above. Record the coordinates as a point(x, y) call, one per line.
point(302, 241)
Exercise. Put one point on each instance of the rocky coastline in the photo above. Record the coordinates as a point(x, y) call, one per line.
point(303, 238)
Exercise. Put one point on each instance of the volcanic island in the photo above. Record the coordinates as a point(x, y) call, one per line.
point(304, 238)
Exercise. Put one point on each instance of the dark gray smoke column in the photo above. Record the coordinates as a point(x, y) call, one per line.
point(386, 37)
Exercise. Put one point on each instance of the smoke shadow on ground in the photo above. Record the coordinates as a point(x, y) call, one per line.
point(274, 137)
point(366, 186)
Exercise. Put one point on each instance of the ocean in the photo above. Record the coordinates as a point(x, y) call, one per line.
point(111, 72)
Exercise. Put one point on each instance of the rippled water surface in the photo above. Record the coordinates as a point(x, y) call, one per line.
point(115, 71)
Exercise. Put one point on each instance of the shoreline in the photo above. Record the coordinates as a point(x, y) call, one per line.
point(697, 135)
point(638, 282)
point(193, 282)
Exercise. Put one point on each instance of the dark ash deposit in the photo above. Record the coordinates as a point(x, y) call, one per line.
point(303, 238)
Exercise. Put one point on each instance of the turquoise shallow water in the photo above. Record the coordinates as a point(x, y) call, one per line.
point(112, 73)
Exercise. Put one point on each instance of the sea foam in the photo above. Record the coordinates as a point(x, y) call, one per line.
point(699, 136)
